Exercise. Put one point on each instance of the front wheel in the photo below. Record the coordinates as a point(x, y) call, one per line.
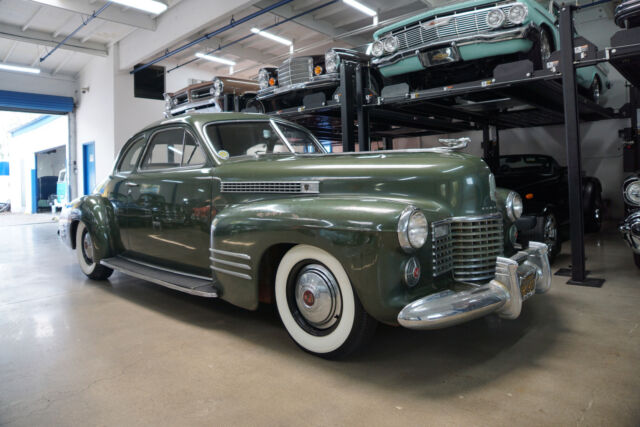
point(541, 50)
point(84, 250)
point(318, 306)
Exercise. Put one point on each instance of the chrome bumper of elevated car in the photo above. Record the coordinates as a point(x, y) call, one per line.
point(316, 82)
point(516, 279)
point(489, 37)
point(630, 230)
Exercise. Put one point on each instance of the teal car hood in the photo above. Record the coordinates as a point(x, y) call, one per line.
point(448, 182)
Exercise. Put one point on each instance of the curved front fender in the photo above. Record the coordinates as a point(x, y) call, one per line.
point(98, 215)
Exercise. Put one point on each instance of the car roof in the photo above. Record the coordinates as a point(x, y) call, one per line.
point(194, 118)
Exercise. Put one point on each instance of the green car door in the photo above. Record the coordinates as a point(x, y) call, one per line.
point(169, 209)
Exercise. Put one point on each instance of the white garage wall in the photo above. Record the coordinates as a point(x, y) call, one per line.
point(22, 159)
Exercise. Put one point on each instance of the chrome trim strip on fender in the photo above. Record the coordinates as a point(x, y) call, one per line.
point(227, 253)
point(231, 263)
point(157, 267)
point(231, 273)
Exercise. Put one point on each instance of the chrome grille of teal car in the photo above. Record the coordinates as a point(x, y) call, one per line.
point(451, 28)
point(295, 70)
point(469, 249)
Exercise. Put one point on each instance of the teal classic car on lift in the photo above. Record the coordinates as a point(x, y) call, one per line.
point(465, 41)
point(252, 209)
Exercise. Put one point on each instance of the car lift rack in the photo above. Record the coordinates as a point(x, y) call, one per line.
point(517, 96)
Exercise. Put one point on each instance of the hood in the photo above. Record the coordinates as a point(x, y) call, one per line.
point(439, 180)
point(455, 7)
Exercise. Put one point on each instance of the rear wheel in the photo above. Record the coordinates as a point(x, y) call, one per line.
point(85, 252)
point(318, 306)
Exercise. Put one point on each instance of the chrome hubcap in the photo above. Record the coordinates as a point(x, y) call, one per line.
point(317, 296)
point(87, 246)
point(550, 231)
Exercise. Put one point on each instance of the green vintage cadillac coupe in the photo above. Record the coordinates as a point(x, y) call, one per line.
point(466, 40)
point(252, 209)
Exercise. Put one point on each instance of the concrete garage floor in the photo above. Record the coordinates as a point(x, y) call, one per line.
point(127, 352)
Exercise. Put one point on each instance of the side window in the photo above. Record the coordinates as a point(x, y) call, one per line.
point(165, 150)
point(245, 139)
point(130, 157)
point(193, 153)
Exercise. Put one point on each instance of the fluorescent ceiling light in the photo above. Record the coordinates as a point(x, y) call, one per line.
point(362, 8)
point(215, 59)
point(271, 36)
point(19, 69)
point(151, 6)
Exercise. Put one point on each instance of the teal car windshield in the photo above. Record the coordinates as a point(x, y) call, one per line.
point(247, 138)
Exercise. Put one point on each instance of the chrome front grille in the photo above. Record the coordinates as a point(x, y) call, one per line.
point(295, 70)
point(446, 28)
point(203, 92)
point(180, 99)
point(306, 187)
point(470, 248)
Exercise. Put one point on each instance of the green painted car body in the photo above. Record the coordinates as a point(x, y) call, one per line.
point(462, 26)
point(174, 217)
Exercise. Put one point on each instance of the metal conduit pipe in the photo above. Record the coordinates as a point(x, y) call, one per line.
point(211, 34)
point(84, 23)
point(252, 34)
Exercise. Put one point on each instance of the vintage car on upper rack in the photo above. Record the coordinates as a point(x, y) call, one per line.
point(466, 41)
point(544, 185)
point(627, 14)
point(252, 209)
point(210, 96)
point(630, 228)
point(300, 76)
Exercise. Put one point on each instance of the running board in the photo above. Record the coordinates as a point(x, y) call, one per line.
point(194, 285)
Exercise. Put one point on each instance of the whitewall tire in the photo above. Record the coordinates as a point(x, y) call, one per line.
point(84, 251)
point(317, 304)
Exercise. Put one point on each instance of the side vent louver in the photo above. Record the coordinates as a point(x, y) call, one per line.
point(289, 187)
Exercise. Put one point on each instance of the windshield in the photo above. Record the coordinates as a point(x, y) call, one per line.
point(246, 138)
point(525, 164)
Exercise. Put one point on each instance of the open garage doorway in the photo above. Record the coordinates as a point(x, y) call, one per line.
point(50, 178)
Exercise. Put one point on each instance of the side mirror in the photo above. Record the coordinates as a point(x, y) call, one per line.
point(455, 143)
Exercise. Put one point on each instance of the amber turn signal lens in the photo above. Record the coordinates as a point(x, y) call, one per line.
point(529, 196)
point(317, 70)
point(272, 81)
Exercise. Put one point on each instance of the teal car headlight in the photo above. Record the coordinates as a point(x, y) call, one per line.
point(377, 49)
point(412, 229)
point(518, 13)
point(391, 44)
point(514, 206)
point(495, 18)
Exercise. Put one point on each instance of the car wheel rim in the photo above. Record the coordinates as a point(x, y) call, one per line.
point(596, 91)
point(545, 47)
point(317, 300)
point(550, 232)
point(597, 215)
point(87, 248)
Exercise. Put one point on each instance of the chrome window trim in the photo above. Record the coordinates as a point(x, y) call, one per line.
point(183, 127)
point(125, 150)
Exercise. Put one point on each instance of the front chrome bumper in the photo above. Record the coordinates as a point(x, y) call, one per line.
point(516, 279)
point(630, 230)
point(321, 81)
point(488, 37)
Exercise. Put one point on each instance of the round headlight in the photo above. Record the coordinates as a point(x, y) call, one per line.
point(174, 101)
point(167, 102)
point(331, 61)
point(263, 78)
point(390, 44)
point(218, 86)
point(514, 206)
point(518, 13)
point(495, 18)
point(377, 49)
point(412, 229)
point(632, 193)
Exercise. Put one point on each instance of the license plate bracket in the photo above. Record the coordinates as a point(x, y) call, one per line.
point(527, 285)
point(439, 56)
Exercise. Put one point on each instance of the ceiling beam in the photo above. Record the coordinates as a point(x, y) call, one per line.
point(10, 51)
point(13, 32)
point(26, 26)
point(237, 49)
point(63, 63)
point(91, 31)
point(131, 17)
point(308, 21)
point(67, 22)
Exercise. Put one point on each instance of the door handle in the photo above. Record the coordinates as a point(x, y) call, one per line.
point(130, 184)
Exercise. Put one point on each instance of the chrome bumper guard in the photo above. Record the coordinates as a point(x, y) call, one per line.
point(323, 80)
point(630, 230)
point(516, 279)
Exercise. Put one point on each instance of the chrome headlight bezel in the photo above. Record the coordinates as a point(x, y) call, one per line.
point(217, 87)
point(331, 61)
point(263, 78)
point(413, 229)
point(632, 192)
point(492, 188)
point(390, 44)
point(522, 17)
point(377, 48)
point(167, 102)
point(500, 16)
point(514, 206)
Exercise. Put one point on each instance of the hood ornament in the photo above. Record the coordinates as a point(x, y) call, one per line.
point(455, 143)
